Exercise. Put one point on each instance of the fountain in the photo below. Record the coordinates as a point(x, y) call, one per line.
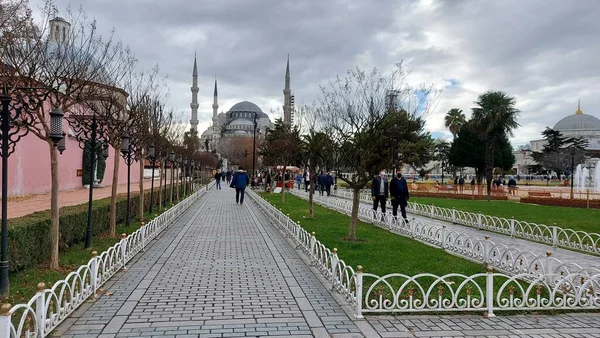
point(578, 179)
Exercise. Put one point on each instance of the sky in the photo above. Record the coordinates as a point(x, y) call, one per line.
point(542, 52)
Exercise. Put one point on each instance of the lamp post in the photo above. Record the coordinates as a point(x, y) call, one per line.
point(85, 131)
point(185, 179)
point(179, 175)
point(152, 157)
point(11, 134)
point(254, 147)
point(395, 156)
point(442, 172)
point(126, 154)
point(192, 167)
point(171, 164)
point(572, 169)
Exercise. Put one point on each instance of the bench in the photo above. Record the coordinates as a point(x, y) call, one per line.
point(539, 194)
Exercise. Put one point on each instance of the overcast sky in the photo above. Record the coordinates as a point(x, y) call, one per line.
point(543, 52)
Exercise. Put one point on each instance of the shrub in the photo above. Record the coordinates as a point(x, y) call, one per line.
point(562, 202)
point(29, 236)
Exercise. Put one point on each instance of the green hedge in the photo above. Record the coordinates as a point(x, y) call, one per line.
point(29, 236)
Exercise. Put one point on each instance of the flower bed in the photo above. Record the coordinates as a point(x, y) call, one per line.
point(457, 196)
point(562, 202)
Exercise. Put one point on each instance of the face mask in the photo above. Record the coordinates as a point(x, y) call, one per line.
point(382, 174)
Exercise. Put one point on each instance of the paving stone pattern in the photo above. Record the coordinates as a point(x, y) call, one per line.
point(223, 270)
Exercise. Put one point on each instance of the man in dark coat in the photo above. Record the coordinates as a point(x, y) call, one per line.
point(399, 195)
point(379, 191)
point(228, 176)
point(240, 181)
point(328, 183)
point(321, 183)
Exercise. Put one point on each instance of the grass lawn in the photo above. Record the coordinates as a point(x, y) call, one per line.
point(574, 218)
point(380, 252)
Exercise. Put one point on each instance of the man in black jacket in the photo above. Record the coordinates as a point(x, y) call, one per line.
point(379, 191)
point(399, 194)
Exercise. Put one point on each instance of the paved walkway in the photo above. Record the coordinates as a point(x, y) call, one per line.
point(566, 256)
point(223, 270)
point(26, 205)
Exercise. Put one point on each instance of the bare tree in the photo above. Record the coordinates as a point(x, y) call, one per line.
point(66, 68)
point(363, 113)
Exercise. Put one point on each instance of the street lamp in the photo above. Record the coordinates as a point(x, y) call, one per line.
point(442, 172)
point(254, 147)
point(395, 155)
point(10, 136)
point(179, 175)
point(126, 154)
point(184, 174)
point(171, 164)
point(152, 157)
point(572, 169)
point(192, 167)
point(87, 131)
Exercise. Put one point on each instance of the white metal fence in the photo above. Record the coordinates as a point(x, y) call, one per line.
point(527, 289)
point(49, 307)
point(552, 235)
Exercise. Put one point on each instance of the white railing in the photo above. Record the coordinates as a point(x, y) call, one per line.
point(552, 235)
point(483, 250)
point(50, 307)
point(489, 292)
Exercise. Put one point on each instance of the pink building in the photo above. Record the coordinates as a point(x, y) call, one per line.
point(29, 165)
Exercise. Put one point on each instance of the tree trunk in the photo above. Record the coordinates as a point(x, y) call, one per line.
point(160, 184)
point(489, 165)
point(141, 207)
point(310, 196)
point(283, 183)
point(113, 196)
point(54, 209)
point(354, 214)
point(171, 185)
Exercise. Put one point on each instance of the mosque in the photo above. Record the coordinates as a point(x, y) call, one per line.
point(239, 120)
point(574, 125)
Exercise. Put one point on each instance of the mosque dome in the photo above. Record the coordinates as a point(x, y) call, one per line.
point(245, 109)
point(578, 122)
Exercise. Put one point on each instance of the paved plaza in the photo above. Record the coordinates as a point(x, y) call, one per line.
point(223, 270)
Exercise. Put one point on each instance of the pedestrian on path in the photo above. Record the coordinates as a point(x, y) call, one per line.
point(240, 181)
point(321, 183)
point(228, 176)
point(299, 180)
point(399, 195)
point(328, 183)
point(218, 179)
point(379, 191)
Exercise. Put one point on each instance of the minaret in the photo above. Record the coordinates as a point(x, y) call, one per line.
point(215, 106)
point(287, 96)
point(194, 105)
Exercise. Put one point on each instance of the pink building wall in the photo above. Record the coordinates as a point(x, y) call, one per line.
point(29, 167)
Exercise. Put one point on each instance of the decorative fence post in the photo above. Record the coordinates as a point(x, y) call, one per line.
point(432, 211)
point(334, 263)
point(5, 320)
point(40, 309)
point(443, 241)
point(313, 242)
point(412, 226)
point(486, 249)
point(554, 236)
point(548, 268)
point(124, 248)
point(512, 226)
point(489, 292)
point(94, 273)
point(143, 233)
point(478, 221)
point(453, 215)
point(359, 287)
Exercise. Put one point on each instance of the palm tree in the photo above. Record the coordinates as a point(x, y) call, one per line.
point(494, 116)
point(316, 151)
point(454, 120)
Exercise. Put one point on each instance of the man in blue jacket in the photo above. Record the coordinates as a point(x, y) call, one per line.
point(400, 195)
point(240, 181)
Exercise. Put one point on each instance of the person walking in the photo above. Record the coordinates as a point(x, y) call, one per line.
point(228, 176)
point(299, 180)
point(321, 183)
point(218, 179)
point(379, 192)
point(399, 195)
point(240, 181)
point(328, 183)
point(306, 180)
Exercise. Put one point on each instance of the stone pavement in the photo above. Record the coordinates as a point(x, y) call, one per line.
point(26, 205)
point(566, 256)
point(223, 270)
